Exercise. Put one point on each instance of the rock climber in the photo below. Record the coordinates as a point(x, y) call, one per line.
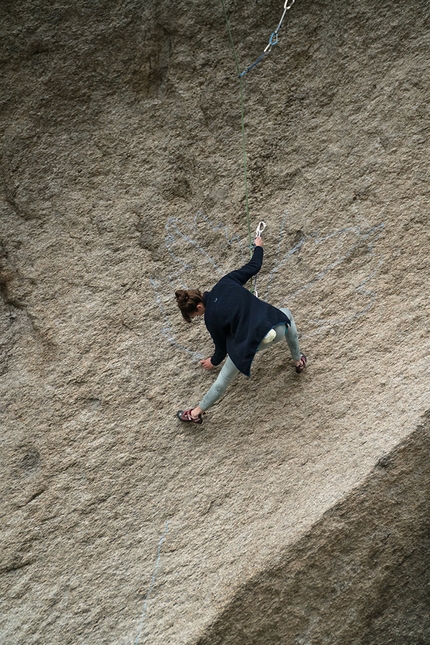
point(240, 325)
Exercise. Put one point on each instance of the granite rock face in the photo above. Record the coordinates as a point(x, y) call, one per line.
point(359, 576)
point(298, 512)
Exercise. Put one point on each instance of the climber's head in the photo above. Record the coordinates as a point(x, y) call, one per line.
point(190, 303)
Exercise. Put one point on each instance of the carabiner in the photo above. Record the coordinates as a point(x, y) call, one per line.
point(260, 228)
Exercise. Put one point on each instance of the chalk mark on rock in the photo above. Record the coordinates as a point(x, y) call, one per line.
point(167, 330)
point(179, 232)
point(151, 584)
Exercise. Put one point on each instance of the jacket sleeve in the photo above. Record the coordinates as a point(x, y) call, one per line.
point(243, 274)
point(220, 348)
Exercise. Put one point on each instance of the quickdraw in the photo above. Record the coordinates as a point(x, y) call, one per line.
point(258, 233)
point(273, 40)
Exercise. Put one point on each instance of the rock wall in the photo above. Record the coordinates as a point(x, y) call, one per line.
point(122, 180)
point(359, 576)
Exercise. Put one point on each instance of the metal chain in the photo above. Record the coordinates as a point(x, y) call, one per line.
point(273, 40)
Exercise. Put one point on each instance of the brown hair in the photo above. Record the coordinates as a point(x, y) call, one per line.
point(188, 301)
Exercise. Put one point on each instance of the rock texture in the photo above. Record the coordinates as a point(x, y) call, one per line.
point(359, 576)
point(121, 174)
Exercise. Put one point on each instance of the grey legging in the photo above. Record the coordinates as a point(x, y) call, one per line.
point(229, 370)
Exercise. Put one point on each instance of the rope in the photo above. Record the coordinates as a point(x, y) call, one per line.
point(273, 40)
point(242, 109)
point(262, 225)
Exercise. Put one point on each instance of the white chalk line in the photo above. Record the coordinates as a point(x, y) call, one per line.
point(324, 324)
point(151, 585)
point(166, 330)
point(174, 233)
point(317, 239)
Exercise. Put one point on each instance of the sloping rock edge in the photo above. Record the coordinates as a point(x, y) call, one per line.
point(360, 576)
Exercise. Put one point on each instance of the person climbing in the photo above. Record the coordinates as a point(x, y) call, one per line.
point(240, 325)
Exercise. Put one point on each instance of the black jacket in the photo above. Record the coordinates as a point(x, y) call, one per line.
point(236, 319)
